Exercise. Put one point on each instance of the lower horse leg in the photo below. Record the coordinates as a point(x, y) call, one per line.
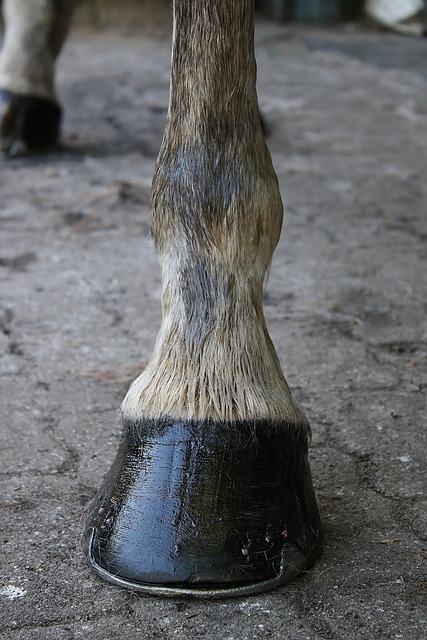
point(34, 33)
point(210, 493)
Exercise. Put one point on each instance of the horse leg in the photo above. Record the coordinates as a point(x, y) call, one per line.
point(29, 111)
point(210, 493)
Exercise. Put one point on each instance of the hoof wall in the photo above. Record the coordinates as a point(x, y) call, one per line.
point(27, 123)
point(205, 509)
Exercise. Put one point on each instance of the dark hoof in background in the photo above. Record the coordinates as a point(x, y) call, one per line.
point(27, 123)
point(205, 509)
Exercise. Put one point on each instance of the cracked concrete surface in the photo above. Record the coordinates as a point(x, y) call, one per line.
point(345, 305)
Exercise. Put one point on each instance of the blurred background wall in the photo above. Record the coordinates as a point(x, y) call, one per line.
point(137, 13)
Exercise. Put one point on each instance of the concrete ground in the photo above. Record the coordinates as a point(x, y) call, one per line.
point(345, 305)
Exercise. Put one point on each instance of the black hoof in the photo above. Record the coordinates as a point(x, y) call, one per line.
point(27, 123)
point(205, 509)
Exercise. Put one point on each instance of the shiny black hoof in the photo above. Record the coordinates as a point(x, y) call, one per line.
point(205, 509)
point(27, 123)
